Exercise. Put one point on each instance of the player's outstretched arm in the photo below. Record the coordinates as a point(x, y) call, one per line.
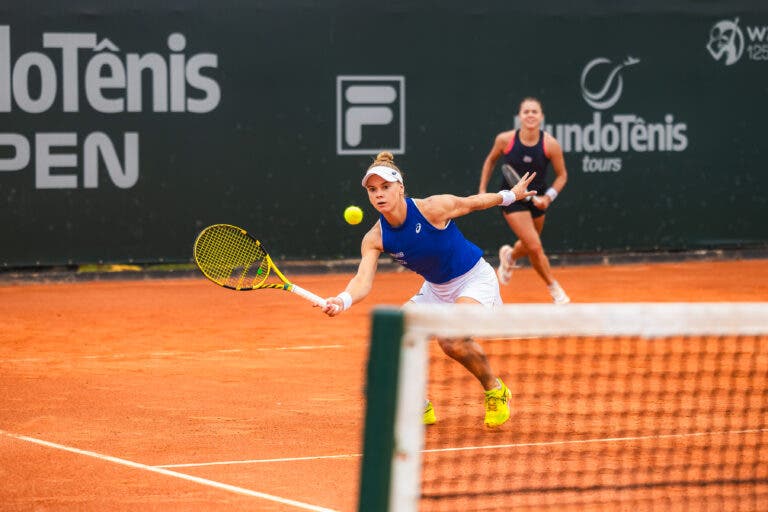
point(521, 188)
point(440, 208)
point(360, 285)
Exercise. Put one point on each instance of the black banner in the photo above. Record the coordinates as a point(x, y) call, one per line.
point(127, 127)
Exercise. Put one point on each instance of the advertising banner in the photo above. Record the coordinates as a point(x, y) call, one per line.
point(126, 127)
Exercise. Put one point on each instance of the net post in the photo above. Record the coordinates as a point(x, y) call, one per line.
point(381, 390)
point(405, 489)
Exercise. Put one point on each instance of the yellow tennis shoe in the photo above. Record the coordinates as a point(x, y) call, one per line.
point(497, 405)
point(429, 414)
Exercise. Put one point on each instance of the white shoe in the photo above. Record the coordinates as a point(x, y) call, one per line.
point(558, 294)
point(506, 264)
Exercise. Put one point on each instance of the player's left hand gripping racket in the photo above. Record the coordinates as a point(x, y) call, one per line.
point(230, 257)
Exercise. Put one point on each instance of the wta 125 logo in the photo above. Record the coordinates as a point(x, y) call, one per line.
point(727, 43)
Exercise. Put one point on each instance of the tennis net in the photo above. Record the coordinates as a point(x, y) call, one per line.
point(653, 406)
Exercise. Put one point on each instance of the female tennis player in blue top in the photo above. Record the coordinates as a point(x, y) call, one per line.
point(529, 149)
point(422, 236)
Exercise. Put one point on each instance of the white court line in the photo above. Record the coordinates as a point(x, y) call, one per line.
point(598, 440)
point(472, 448)
point(259, 461)
point(239, 490)
point(167, 472)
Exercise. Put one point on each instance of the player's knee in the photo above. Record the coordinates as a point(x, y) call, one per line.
point(447, 344)
point(535, 248)
point(453, 347)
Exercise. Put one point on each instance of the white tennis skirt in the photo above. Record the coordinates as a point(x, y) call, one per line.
point(479, 283)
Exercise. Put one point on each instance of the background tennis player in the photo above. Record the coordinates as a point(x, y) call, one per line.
point(529, 149)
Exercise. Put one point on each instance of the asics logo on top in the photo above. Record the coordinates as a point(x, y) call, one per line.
point(418, 227)
point(609, 92)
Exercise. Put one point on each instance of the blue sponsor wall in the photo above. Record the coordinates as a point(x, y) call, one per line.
point(126, 127)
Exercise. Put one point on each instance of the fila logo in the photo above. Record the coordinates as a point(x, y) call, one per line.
point(370, 114)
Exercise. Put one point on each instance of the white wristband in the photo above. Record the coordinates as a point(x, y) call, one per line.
point(346, 299)
point(552, 193)
point(507, 197)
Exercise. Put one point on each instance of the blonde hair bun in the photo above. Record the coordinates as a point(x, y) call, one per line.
point(385, 156)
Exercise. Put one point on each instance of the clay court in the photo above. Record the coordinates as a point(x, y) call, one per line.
point(175, 394)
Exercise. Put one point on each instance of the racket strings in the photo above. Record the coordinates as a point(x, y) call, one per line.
point(231, 258)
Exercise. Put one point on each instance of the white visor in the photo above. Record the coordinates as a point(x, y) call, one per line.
point(385, 172)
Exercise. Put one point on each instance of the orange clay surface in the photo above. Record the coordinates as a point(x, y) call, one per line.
point(175, 394)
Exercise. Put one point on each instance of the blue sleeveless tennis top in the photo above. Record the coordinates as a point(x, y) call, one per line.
point(529, 159)
point(438, 255)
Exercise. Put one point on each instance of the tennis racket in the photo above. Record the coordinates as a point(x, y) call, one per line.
point(230, 257)
point(512, 177)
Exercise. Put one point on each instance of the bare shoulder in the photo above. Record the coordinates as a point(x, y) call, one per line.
point(503, 138)
point(437, 209)
point(551, 143)
point(372, 239)
point(432, 202)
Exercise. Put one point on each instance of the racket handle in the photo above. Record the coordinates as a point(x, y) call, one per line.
point(311, 297)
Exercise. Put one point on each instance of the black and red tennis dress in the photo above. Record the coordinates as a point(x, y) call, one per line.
point(524, 159)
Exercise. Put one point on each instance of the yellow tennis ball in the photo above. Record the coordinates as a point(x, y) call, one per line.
point(353, 215)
